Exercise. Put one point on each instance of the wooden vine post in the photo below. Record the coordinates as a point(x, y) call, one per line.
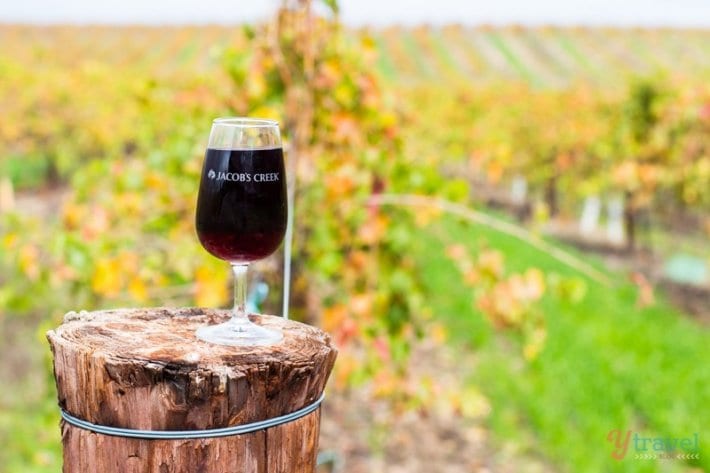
point(144, 370)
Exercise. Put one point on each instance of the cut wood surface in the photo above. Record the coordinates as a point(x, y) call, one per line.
point(145, 369)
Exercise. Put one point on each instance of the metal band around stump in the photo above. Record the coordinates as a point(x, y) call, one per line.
point(191, 434)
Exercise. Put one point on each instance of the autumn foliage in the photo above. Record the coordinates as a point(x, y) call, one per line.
point(127, 139)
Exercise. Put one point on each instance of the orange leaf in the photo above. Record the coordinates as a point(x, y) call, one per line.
point(333, 317)
point(29, 261)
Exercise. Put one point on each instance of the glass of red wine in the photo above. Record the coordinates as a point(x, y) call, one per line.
point(241, 213)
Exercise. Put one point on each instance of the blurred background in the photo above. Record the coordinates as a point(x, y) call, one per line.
point(502, 212)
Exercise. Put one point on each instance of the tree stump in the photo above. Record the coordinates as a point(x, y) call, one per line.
point(144, 369)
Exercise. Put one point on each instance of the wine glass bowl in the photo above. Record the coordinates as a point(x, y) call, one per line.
point(241, 212)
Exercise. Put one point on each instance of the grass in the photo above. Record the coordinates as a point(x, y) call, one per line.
point(29, 417)
point(31, 437)
point(607, 364)
point(24, 172)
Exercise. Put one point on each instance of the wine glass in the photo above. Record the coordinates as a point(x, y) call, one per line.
point(241, 213)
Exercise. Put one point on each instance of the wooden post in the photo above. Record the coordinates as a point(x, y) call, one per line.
point(144, 369)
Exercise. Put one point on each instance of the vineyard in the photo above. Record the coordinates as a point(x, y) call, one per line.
point(542, 57)
point(437, 171)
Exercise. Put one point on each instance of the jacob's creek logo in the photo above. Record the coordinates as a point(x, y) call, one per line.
point(653, 448)
point(242, 176)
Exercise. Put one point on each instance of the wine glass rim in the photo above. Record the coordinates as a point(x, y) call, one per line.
point(245, 122)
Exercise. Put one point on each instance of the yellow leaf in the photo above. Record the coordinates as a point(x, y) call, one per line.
point(137, 289)
point(210, 287)
point(11, 239)
point(474, 405)
point(344, 94)
point(535, 283)
point(491, 262)
point(388, 119)
point(106, 280)
point(256, 88)
point(73, 215)
point(266, 111)
point(535, 344)
point(439, 333)
point(424, 216)
point(155, 181)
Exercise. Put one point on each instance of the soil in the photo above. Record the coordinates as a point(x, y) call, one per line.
point(362, 435)
point(694, 300)
point(41, 202)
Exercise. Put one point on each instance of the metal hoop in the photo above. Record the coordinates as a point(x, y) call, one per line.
point(191, 434)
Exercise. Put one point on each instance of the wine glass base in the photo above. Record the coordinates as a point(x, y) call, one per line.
point(239, 334)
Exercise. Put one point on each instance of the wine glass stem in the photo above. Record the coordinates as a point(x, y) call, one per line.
point(239, 313)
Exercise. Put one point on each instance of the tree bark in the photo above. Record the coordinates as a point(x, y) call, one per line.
point(630, 222)
point(551, 197)
point(144, 369)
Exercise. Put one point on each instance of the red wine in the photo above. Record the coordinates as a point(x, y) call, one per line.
point(241, 206)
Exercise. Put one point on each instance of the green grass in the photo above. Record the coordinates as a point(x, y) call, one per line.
point(607, 364)
point(29, 416)
point(23, 171)
point(31, 438)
